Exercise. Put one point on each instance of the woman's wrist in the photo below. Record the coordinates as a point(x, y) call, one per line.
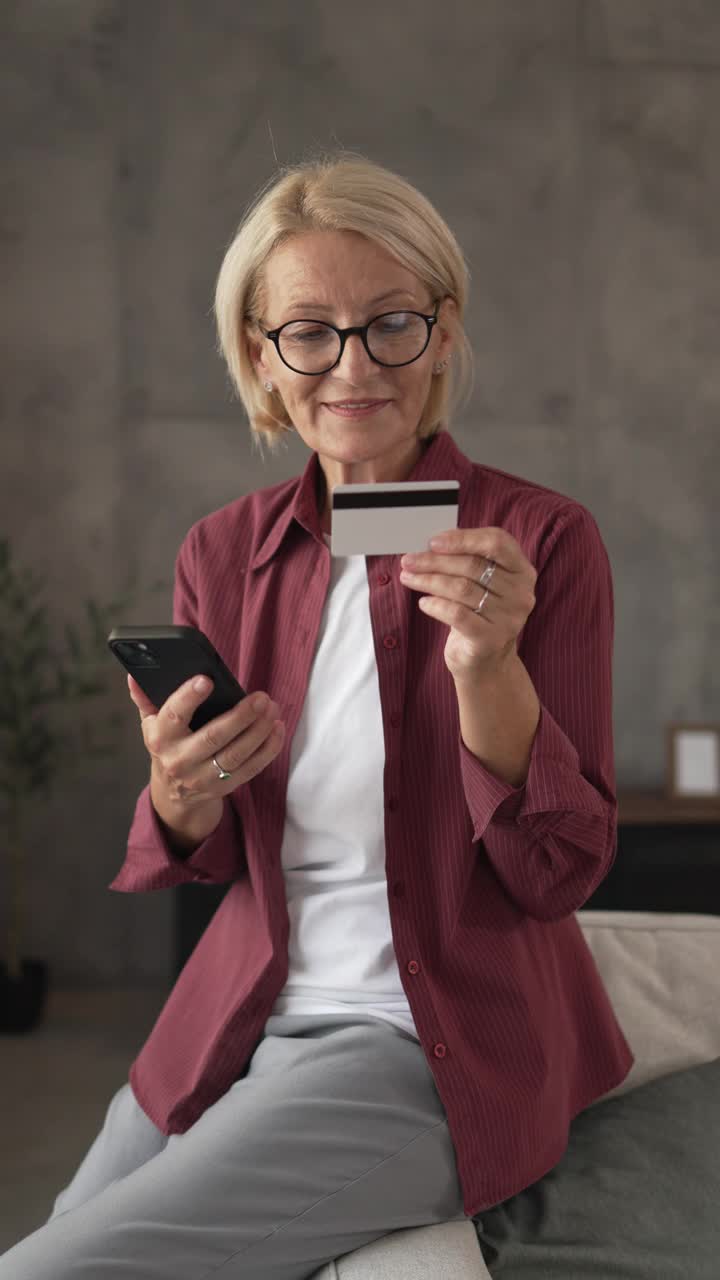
point(185, 826)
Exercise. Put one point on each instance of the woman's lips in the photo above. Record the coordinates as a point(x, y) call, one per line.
point(356, 411)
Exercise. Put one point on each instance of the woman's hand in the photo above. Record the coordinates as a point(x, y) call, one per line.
point(450, 573)
point(244, 742)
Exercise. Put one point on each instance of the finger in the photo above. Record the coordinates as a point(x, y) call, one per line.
point(448, 586)
point(248, 754)
point(490, 543)
point(144, 705)
point(236, 733)
point(178, 710)
point(249, 711)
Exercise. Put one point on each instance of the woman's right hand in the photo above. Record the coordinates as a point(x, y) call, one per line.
point(243, 741)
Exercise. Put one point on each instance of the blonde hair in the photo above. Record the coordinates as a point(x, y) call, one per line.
point(338, 192)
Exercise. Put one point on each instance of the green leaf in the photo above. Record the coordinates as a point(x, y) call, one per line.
point(30, 661)
point(35, 678)
point(90, 688)
point(36, 623)
point(31, 583)
point(73, 640)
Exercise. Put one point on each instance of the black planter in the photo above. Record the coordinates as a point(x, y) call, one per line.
point(22, 1000)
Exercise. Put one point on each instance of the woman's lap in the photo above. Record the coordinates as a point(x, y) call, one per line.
point(335, 1136)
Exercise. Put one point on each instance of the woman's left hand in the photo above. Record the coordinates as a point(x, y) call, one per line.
point(478, 643)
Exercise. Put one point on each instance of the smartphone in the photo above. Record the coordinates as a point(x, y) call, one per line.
point(162, 658)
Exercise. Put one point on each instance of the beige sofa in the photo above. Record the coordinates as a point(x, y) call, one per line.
point(660, 970)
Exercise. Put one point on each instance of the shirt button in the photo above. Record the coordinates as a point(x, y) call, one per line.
point(383, 579)
point(398, 889)
point(395, 719)
point(413, 967)
point(439, 1050)
point(393, 804)
point(390, 642)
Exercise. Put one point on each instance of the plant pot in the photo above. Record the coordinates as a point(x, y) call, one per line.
point(22, 1000)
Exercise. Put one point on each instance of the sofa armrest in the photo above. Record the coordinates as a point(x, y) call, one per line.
point(660, 970)
point(443, 1250)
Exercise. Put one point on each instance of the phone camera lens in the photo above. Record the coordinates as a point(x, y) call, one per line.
point(135, 653)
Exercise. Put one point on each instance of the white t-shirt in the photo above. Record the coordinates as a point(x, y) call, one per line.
point(341, 952)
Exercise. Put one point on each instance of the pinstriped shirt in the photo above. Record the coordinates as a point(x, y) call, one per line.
point(482, 879)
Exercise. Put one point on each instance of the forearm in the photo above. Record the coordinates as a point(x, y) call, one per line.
point(185, 826)
point(499, 716)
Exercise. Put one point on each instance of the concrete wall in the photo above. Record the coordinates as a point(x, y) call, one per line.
point(572, 147)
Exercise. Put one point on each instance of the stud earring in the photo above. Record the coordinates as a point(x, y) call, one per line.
point(440, 368)
point(268, 386)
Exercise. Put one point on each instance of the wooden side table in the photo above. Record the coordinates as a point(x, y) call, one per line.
point(668, 855)
point(649, 808)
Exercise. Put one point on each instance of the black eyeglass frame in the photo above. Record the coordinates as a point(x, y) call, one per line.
point(344, 334)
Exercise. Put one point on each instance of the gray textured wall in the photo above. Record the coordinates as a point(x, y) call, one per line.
point(572, 147)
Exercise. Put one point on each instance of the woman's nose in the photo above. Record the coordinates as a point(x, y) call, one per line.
point(355, 362)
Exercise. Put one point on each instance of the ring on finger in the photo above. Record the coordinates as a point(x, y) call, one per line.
point(222, 773)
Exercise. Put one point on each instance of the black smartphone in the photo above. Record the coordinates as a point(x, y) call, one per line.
point(162, 658)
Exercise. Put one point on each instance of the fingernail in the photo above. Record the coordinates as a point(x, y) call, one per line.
point(201, 684)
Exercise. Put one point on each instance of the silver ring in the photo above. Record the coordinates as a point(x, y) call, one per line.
point(222, 773)
point(487, 575)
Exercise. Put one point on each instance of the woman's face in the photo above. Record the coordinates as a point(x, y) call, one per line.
point(345, 279)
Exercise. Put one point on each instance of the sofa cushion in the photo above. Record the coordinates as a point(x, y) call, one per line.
point(637, 1192)
point(660, 971)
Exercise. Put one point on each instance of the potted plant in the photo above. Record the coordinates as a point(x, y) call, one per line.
point(43, 671)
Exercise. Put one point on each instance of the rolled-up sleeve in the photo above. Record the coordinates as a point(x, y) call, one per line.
point(151, 864)
point(149, 861)
point(553, 840)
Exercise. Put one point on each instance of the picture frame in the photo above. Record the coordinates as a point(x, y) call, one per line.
point(693, 761)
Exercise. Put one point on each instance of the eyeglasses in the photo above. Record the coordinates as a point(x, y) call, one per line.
point(313, 347)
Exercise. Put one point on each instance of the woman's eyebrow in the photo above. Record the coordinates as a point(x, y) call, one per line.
point(322, 306)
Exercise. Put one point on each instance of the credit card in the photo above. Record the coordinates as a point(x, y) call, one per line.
point(392, 518)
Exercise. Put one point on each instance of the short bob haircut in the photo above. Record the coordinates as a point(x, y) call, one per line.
point(337, 192)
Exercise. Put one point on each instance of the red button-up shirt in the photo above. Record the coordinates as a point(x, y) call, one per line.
point(483, 878)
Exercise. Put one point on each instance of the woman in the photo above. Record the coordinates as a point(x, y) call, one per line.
point(393, 1017)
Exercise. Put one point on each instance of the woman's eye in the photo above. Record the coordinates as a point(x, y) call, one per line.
point(394, 326)
point(308, 335)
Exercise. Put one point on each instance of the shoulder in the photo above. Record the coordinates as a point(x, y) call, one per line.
point(539, 517)
point(236, 527)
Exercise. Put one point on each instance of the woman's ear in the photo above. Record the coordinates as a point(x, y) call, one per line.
point(447, 326)
point(255, 353)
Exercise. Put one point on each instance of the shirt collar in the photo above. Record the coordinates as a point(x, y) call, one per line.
point(440, 460)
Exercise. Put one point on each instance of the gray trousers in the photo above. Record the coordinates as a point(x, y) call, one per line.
point(335, 1136)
